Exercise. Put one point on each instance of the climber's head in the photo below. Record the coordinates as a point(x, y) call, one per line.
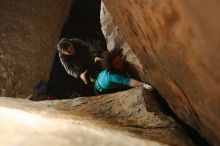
point(114, 61)
point(65, 46)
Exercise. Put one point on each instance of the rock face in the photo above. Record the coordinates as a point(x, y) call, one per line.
point(29, 31)
point(122, 119)
point(177, 43)
point(115, 40)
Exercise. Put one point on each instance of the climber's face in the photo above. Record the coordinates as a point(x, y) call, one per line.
point(70, 51)
point(118, 62)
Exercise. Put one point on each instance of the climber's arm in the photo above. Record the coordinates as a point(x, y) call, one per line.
point(135, 83)
point(123, 80)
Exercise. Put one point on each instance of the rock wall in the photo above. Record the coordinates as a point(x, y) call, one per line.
point(120, 119)
point(115, 40)
point(29, 31)
point(177, 43)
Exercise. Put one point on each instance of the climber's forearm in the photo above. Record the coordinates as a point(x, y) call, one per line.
point(135, 83)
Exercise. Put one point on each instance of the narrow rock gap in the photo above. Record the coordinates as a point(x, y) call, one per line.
point(84, 23)
point(192, 133)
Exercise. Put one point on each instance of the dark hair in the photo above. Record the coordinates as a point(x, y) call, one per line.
point(109, 57)
point(64, 44)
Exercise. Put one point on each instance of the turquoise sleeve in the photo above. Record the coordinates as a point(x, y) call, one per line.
point(120, 79)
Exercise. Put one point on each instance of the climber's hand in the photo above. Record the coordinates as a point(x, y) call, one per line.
point(97, 59)
point(83, 77)
point(148, 87)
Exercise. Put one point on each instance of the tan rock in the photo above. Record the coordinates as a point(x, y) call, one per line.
point(29, 31)
point(177, 43)
point(113, 119)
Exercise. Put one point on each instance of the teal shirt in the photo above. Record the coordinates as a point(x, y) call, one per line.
point(107, 81)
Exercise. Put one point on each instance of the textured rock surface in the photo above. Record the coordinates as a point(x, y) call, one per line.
point(114, 39)
point(177, 42)
point(114, 119)
point(29, 31)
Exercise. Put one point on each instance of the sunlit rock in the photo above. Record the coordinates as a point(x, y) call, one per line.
point(122, 119)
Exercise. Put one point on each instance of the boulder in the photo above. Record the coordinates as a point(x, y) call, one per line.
point(177, 43)
point(125, 118)
point(29, 32)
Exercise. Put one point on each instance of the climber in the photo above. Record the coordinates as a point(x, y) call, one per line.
point(78, 58)
point(114, 78)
